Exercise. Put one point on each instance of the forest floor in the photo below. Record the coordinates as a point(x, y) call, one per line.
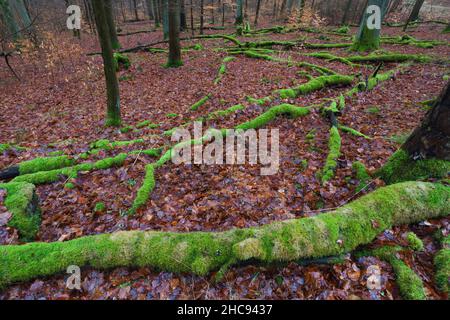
point(59, 106)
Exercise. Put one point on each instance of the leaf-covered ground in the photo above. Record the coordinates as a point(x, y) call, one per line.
point(59, 106)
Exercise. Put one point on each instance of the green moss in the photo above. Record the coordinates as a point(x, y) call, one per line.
point(442, 266)
point(334, 146)
point(121, 60)
point(327, 45)
point(45, 164)
point(146, 188)
point(353, 132)
point(155, 152)
point(99, 207)
point(260, 102)
point(329, 56)
point(126, 129)
point(21, 201)
point(409, 40)
point(226, 112)
point(311, 135)
point(361, 174)
point(314, 85)
point(171, 115)
point(446, 29)
point(43, 177)
point(329, 234)
point(199, 103)
point(4, 147)
point(400, 168)
point(414, 242)
point(69, 185)
point(56, 153)
point(105, 144)
point(272, 113)
point(343, 30)
point(173, 64)
point(373, 110)
point(322, 70)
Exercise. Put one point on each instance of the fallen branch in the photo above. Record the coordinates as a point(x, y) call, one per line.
point(328, 234)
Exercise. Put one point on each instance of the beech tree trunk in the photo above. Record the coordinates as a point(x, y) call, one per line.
point(239, 13)
point(183, 25)
point(174, 34)
point(258, 5)
point(112, 85)
point(201, 16)
point(432, 138)
point(414, 13)
point(111, 26)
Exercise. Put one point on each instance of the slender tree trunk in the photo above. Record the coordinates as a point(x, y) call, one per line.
point(165, 18)
point(212, 13)
point(239, 14)
point(157, 5)
point(258, 6)
point(346, 12)
point(414, 13)
point(111, 26)
point(183, 25)
point(150, 12)
point(223, 14)
point(174, 34)
point(112, 85)
point(192, 18)
point(136, 15)
point(201, 16)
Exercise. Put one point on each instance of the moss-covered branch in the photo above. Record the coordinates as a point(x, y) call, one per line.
point(23, 204)
point(314, 85)
point(329, 234)
point(334, 146)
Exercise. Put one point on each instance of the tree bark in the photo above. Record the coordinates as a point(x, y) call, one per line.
point(111, 26)
point(346, 12)
point(201, 16)
point(112, 85)
point(414, 13)
point(174, 34)
point(239, 13)
point(432, 138)
point(258, 5)
point(183, 25)
point(165, 18)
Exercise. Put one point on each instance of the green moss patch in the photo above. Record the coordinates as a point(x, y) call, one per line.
point(314, 85)
point(334, 146)
point(442, 266)
point(199, 103)
point(45, 164)
point(361, 174)
point(23, 204)
point(400, 167)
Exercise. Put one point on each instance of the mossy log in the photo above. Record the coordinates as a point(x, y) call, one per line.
point(36, 165)
point(328, 234)
point(23, 204)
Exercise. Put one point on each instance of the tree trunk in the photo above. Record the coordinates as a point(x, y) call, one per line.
point(414, 13)
point(112, 85)
point(212, 13)
point(150, 12)
point(9, 20)
point(369, 39)
point(192, 18)
point(111, 26)
point(165, 18)
point(201, 16)
point(432, 138)
point(346, 12)
point(136, 15)
point(183, 25)
point(426, 153)
point(239, 13)
point(258, 5)
point(174, 34)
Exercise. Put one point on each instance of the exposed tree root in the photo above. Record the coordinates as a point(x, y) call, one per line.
point(334, 146)
point(199, 103)
point(329, 234)
point(23, 204)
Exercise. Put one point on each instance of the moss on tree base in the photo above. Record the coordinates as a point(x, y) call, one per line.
point(328, 234)
point(400, 167)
